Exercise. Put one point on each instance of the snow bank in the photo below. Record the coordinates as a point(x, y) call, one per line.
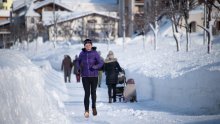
point(24, 98)
point(193, 92)
point(53, 81)
point(187, 81)
point(119, 41)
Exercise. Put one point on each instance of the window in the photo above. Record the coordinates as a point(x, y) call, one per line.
point(106, 20)
point(140, 9)
point(32, 20)
point(59, 33)
point(139, 1)
point(218, 24)
point(192, 26)
point(92, 21)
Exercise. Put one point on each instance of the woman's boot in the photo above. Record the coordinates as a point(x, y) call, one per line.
point(110, 100)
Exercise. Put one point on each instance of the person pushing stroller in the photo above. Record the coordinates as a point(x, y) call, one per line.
point(111, 68)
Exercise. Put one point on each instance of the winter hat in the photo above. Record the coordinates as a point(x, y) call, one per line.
point(87, 41)
point(110, 55)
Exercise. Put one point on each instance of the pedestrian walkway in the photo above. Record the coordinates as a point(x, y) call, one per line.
point(142, 112)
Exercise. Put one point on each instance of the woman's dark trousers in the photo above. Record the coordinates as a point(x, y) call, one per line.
point(112, 87)
point(89, 84)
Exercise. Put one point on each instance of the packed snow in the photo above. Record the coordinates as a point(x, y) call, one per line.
point(25, 98)
point(172, 87)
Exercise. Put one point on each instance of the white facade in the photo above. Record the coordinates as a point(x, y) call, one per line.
point(94, 26)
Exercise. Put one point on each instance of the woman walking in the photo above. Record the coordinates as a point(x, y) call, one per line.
point(66, 67)
point(111, 68)
point(89, 62)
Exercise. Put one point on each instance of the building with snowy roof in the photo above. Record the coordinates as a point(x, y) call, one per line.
point(36, 16)
point(4, 27)
point(98, 26)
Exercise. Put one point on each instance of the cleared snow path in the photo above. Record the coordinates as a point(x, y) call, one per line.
point(142, 112)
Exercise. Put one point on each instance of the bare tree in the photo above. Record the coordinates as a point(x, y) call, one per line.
point(56, 18)
point(16, 28)
point(67, 30)
point(154, 18)
point(173, 13)
point(180, 9)
point(209, 5)
point(6, 40)
point(142, 23)
point(42, 30)
point(185, 8)
point(107, 29)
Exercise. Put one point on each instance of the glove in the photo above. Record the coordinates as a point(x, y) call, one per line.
point(78, 72)
point(95, 67)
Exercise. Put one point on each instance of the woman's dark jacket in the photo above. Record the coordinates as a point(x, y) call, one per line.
point(112, 68)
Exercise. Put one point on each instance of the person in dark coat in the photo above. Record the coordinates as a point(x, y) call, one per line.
point(75, 71)
point(66, 67)
point(111, 68)
point(88, 65)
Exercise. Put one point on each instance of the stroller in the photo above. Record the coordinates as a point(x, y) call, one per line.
point(130, 91)
point(120, 85)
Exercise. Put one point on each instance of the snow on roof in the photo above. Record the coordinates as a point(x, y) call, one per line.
point(31, 12)
point(5, 32)
point(94, 7)
point(22, 13)
point(4, 13)
point(47, 16)
point(18, 5)
point(92, 1)
point(75, 15)
point(43, 3)
point(4, 22)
